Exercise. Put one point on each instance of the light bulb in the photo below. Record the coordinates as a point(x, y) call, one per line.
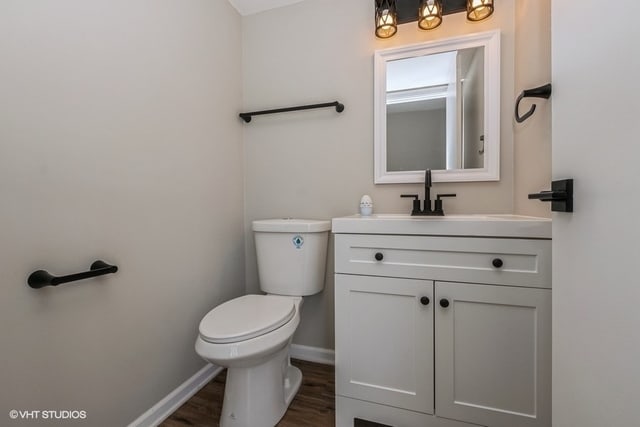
point(385, 19)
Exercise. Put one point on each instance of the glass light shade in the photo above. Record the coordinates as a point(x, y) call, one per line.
point(386, 18)
point(477, 10)
point(430, 14)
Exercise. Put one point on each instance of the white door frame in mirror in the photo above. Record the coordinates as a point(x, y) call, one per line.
point(491, 172)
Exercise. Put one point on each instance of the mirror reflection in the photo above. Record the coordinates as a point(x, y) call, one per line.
point(437, 106)
point(435, 111)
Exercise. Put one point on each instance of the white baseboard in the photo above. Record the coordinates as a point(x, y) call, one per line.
point(167, 406)
point(313, 354)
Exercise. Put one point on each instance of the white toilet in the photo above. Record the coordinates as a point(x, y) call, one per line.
point(251, 335)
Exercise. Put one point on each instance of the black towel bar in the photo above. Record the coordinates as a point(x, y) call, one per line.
point(41, 278)
point(247, 116)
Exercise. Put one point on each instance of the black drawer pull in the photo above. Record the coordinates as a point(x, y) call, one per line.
point(497, 263)
point(444, 303)
point(424, 300)
point(379, 256)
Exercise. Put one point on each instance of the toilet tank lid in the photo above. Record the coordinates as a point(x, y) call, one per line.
point(291, 225)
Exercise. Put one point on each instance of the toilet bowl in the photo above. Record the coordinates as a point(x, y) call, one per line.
point(251, 335)
point(255, 349)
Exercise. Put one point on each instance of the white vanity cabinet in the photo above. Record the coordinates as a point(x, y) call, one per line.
point(493, 354)
point(442, 330)
point(386, 346)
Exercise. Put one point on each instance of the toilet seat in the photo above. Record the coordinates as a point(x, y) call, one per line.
point(246, 317)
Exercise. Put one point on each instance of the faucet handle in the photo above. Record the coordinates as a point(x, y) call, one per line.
point(438, 202)
point(416, 203)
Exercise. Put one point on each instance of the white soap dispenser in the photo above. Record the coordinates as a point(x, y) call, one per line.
point(366, 205)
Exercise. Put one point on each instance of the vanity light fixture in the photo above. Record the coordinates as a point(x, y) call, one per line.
point(390, 13)
point(429, 14)
point(477, 10)
point(386, 18)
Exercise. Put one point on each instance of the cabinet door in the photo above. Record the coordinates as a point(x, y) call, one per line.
point(384, 340)
point(493, 354)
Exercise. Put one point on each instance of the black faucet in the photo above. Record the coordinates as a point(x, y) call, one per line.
point(427, 211)
point(427, 192)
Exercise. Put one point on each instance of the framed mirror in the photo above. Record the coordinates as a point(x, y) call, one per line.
point(437, 106)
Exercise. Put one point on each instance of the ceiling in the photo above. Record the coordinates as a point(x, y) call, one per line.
point(249, 7)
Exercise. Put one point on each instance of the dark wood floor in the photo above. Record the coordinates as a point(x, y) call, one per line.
point(314, 405)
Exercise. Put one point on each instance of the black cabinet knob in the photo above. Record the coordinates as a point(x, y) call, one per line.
point(379, 256)
point(497, 262)
point(424, 300)
point(444, 303)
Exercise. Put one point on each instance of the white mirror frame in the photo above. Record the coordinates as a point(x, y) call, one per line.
point(491, 171)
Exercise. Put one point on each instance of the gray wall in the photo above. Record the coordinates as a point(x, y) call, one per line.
point(417, 139)
point(118, 140)
point(473, 108)
point(318, 164)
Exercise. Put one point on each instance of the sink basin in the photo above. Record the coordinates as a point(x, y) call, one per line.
point(490, 225)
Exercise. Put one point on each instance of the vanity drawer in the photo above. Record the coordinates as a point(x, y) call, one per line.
point(515, 262)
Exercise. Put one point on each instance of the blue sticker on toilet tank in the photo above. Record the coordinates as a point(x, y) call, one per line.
point(298, 241)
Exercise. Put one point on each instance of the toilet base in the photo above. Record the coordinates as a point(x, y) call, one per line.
point(258, 396)
point(291, 384)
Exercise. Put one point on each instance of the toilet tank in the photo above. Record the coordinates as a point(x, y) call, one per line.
point(292, 255)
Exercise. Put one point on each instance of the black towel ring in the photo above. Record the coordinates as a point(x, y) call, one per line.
point(538, 92)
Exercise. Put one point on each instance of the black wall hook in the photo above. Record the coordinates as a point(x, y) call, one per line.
point(538, 92)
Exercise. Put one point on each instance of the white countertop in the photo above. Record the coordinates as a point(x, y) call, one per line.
point(514, 226)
